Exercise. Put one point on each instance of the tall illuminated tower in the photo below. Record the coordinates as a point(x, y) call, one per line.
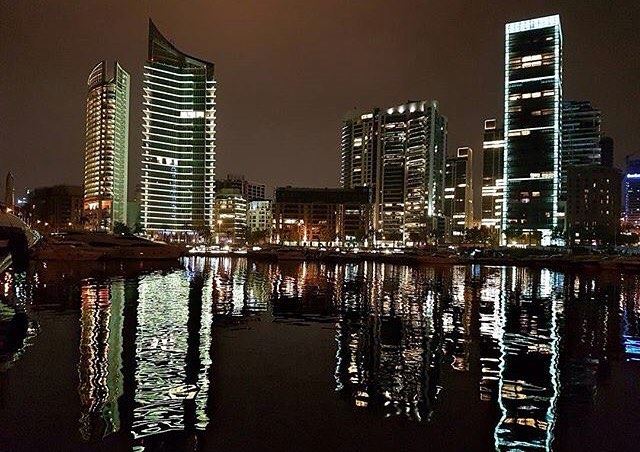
point(106, 154)
point(532, 127)
point(178, 146)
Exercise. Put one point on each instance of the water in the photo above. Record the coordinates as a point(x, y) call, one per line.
point(230, 354)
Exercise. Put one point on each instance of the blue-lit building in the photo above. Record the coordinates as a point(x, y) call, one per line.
point(532, 128)
point(632, 191)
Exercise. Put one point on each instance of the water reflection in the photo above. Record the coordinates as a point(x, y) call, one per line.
point(531, 343)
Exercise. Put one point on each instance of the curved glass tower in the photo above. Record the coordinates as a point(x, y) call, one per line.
point(106, 153)
point(178, 147)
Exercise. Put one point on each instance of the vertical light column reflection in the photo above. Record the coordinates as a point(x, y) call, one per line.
point(100, 365)
point(172, 344)
point(528, 379)
point(388, 357)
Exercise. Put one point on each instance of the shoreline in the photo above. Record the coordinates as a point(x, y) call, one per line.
point(560, 262)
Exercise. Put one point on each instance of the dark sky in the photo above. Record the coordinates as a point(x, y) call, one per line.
point(287, 72)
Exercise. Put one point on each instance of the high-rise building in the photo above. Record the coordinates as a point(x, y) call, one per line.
point(492, 171)
point(458, 192)
point(632, 191)
point(178, 147)
point(399, 153)
point(106, 152)
point(580, 134)
point(249, 190)
point(360, 151)
point(593, 204)
point(580, 137)
point(606, 151)
point(532, 128)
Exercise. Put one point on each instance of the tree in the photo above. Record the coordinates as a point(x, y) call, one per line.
point(137, 228)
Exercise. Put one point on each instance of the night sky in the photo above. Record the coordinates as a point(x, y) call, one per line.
point(287, 72)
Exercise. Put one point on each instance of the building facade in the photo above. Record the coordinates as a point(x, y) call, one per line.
point(259, 220)
point(580, 137)
point(322, 215)
point(399, 153)
point(532, 128)
point(632, 191)
point(106, 152)
point(458, 192)
point(606, 150)
point(593, 204)
point(492, 175)
point(580, 133)
point(250, 190)
point(55, 208)
point(178, 148)
point(230, 213)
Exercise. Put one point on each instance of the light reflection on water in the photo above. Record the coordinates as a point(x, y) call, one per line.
point(533, 340)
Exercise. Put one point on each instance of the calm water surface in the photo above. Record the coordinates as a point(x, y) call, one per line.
point(229, 354)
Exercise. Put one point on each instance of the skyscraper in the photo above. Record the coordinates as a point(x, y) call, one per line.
point(178, 146)
point(532, 127)
point(580, 134)
point(458, 195)
point(606, 150)
point(106, 154)
point(400, 153)
point(580, 138)
point(492, 171)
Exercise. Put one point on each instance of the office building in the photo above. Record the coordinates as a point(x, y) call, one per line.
point(106, 152)
point(532, 128)
point(230, 213)
point(580, 137)
point(458, 192)
point(324, 216)
point(632, 191)
point(259, 220)
point(593, 204)
point(178, 147)
point(492, 171)
point(249, 190)
point(400, 154)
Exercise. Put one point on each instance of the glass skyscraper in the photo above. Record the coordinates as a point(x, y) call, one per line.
point(106, 155)
point(178, 147)
point(532, 128)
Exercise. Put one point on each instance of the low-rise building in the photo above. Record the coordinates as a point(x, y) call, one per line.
point(259, 221)
point(230, 215)
point(317, 216)
point(593, 204)
point(55, 208)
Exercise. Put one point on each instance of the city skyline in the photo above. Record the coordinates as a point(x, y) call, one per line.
point(318, 157)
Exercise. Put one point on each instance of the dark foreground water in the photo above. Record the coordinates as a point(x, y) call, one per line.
point(226, 354)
